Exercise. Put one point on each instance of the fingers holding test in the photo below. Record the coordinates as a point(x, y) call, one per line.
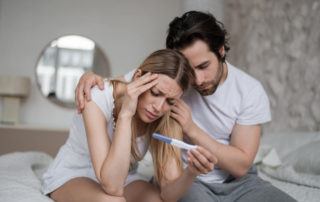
point(211, 158)
point(203, 160)
point(197, 164)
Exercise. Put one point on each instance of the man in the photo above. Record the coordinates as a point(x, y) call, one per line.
point(223, 112)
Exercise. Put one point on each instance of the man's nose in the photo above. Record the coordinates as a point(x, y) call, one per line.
point(199, 78)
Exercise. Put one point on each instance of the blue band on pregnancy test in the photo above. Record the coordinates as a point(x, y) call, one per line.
point(173, 142)
point(162, 138)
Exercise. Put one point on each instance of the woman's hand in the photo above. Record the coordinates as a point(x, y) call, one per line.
point(86, 82)
point(201, 161)
point(134, 90)
point(181, 112)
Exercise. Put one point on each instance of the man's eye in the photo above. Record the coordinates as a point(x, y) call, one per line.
point(203, 67)
point(153, 93)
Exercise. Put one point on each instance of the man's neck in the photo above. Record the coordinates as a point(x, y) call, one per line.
point(225, 73)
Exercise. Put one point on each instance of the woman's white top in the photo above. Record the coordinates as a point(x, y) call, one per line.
point(73, 159)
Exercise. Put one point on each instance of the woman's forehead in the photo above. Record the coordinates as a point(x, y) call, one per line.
point(168, 87)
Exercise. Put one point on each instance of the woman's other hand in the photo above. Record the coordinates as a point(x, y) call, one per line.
point(134, 90)
point(201, 161)
point(86, 82)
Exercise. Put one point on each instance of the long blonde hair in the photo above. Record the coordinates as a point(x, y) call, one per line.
point(173, 64)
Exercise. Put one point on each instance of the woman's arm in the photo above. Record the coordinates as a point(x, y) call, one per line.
point(110, 160)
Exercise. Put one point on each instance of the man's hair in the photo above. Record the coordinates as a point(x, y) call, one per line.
point(195, 25)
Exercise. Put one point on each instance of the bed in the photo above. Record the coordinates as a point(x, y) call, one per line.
point(281, 160)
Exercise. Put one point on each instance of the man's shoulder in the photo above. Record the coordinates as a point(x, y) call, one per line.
point(241, 76)
point(242, 79)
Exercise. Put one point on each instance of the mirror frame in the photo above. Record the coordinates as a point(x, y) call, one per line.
point(56, 101)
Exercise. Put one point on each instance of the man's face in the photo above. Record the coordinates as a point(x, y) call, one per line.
point(207, 68)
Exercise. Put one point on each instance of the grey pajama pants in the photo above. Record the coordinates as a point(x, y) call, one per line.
point(249, 188)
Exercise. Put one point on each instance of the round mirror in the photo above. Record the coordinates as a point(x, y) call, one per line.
point(62, 63)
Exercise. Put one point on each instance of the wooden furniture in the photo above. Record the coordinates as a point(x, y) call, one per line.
point(31, 138)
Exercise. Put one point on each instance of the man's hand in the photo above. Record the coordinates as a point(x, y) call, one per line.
point(86, 82)
point(201, 161)
point(181, 112)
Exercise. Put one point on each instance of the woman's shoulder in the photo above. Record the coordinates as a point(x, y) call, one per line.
point(103, 98)
point(108, 89)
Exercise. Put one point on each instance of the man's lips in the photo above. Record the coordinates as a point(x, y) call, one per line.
point(203, 87)
point(151, 115)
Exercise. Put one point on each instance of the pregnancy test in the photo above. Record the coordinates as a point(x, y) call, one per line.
point(173, 141)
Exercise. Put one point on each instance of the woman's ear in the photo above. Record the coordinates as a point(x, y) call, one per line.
point(137, 74)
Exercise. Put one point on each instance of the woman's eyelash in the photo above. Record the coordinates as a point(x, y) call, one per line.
point(153, 93)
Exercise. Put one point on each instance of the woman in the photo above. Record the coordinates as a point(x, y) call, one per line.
point(99, 160)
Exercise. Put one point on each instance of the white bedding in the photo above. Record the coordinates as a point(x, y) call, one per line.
point(299, 192)
point(21, 172)
point(20, 176)
point(290, 161)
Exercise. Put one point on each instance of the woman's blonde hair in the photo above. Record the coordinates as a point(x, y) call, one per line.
point(173, 64)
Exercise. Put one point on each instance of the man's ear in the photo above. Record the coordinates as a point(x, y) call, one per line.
point(222, 52)
point(137, 74)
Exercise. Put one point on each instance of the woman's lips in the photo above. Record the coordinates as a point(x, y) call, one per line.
point(151, 115)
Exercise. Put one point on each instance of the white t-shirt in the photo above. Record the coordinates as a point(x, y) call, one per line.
point(73, 159)
point(240, 99)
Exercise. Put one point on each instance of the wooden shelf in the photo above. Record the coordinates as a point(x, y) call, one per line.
point(33, 127)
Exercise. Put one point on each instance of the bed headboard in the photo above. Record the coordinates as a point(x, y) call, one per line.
point(28, 138)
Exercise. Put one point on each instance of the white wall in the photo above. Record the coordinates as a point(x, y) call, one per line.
point(127, 31)
point(278, 42)
point(216, 7)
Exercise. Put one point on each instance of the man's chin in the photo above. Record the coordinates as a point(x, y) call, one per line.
point(206, 92)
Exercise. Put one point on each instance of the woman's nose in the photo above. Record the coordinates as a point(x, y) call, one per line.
point(158, 104)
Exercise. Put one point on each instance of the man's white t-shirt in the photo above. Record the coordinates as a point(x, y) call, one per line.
point(240, 99)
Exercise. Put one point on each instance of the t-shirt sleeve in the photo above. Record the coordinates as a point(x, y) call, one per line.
point(255, 107)
point(128, 76)
point(102, 98)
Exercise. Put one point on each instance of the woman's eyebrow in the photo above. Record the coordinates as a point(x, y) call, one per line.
point(160, 92)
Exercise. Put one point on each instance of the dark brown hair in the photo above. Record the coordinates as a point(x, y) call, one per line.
point(194, 25)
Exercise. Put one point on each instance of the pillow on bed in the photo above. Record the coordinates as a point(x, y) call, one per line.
point(305, 159)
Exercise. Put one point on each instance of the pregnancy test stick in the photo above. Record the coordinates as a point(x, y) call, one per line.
point(173, 142)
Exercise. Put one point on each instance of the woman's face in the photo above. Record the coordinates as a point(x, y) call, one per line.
point(156, 101)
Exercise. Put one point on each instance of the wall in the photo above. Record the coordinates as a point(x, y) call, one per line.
point(127, 31)
point(278, 42)
point(216, 7)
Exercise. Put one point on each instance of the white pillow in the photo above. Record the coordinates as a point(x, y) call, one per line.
point(305, 159)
